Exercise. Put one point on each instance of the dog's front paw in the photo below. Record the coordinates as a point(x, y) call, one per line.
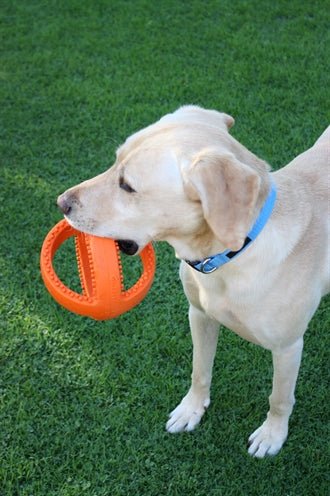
point(269, 438)
point(188, 413)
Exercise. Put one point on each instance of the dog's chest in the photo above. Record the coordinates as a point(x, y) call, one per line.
point(229, 303)
point(228, 312)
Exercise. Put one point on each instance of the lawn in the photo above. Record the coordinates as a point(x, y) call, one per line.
point(83, 404)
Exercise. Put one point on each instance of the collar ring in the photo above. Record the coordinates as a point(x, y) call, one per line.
point(203, 267)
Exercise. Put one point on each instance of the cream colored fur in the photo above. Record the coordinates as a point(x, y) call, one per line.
point(199, 189)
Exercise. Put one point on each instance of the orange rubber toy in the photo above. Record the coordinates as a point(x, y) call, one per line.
point(100, 272)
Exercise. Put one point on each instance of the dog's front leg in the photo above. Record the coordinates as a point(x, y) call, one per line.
point(269, 438)
point(188, 413)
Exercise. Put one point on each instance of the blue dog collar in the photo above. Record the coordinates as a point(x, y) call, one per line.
point(210, 264)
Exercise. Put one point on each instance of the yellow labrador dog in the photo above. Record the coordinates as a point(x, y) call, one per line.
point(253, 244)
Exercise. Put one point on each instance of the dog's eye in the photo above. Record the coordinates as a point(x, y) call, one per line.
point(126, 187)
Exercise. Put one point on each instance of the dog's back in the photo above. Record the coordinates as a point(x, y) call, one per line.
point(312, 167)
point(308, 179)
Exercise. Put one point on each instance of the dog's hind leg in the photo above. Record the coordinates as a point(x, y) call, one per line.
point(269, 438)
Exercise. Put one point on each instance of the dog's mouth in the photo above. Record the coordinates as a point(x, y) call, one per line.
point(128, 246)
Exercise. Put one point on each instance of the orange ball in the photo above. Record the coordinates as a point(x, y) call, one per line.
point(100, 272)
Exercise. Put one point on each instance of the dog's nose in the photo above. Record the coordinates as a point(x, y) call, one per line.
point(64, 202)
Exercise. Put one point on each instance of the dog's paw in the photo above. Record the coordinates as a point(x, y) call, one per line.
point(187, 414)
point(268, 439)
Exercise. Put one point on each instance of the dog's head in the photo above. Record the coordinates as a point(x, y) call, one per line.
point(183, 179)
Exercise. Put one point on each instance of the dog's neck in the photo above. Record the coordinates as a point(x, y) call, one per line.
point(213, 262)
point(212, 255)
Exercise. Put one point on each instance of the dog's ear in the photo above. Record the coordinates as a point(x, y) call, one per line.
point(229, 120)
point(228, 191)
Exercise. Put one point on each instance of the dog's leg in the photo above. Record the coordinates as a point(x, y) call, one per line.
point(188, 413)
point(269, 438)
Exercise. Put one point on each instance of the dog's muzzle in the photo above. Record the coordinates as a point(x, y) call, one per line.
point(128, 246)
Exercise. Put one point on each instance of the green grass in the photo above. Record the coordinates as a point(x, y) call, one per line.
point(83, 403)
